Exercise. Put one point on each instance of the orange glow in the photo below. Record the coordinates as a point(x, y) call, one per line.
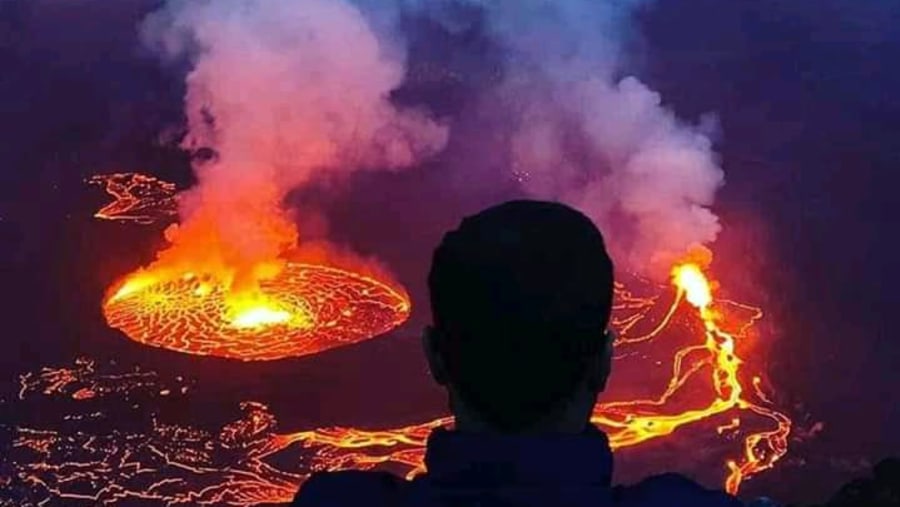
point(135, 283)
point(204, 295)
point(629, 423)
point(691, 280)
point(136, 197)
point(305, 309)
point(290, 309)
point(626, 423)
point(259, 316)
point(243, 463)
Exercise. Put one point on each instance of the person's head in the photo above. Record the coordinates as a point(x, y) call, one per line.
point(521, 295)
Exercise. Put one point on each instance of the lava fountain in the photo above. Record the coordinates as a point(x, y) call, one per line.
point(288, 309)
point(631, 422)
point(268, 112)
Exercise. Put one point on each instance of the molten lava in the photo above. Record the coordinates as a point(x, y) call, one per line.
point(280, 309)
point(632, 422)
point(136, 198)
point(303, 310)
point(710, 386)
point(92, 456)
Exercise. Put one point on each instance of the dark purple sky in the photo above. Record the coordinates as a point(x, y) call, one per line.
point(806, 93)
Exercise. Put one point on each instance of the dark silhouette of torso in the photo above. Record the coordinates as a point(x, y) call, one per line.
point(483, 470)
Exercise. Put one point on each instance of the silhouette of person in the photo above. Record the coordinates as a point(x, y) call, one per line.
point(521, 296)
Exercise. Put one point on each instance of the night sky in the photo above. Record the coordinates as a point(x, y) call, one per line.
point(806, 94)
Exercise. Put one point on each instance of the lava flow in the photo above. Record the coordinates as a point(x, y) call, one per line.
point(137, 198)
point(114, 444)
point(687, 360)
point(632, 422)
point(289, 309)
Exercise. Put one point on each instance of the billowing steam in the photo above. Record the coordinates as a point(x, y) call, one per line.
point(283, 92)
point(581, 133)
point(289, 91)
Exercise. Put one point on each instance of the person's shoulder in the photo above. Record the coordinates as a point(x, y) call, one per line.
point(350, 488)
point(672, 490)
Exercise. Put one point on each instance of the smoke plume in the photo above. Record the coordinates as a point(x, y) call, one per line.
point(284, 93)
point(288, 92)
point(582, 131)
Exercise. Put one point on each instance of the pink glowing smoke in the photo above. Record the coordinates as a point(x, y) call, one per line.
point(285, 93)
point(583, 130)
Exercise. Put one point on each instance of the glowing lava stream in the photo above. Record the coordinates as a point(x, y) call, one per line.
point(627, 425)
point(139, 198)
point(242, 462)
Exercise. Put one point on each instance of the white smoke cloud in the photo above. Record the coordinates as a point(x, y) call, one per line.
point(288, 91)
point(581, 133)
point(285, 92)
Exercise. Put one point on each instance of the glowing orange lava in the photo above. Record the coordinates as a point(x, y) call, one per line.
point(301, 309)
point(632, 422)
point(280, 309)
point(627, 423)
point(136, 197)
point(250, 461)
point(304, 309)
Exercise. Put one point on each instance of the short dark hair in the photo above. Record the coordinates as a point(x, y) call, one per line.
point(521, 295)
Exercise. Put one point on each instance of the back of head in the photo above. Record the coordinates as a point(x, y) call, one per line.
point(521, 296)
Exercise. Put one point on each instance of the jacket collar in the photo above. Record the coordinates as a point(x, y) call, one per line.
point(477, 459)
